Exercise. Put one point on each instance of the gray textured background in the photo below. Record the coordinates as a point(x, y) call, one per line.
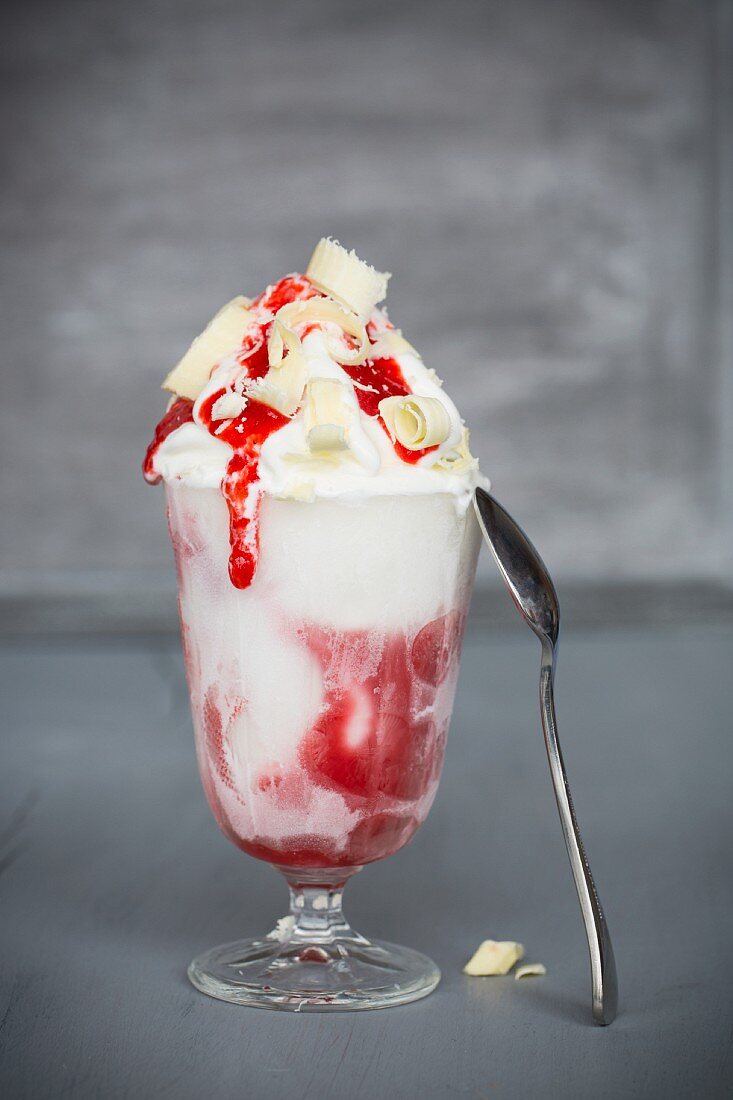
point(547, 182)
point(550, 183)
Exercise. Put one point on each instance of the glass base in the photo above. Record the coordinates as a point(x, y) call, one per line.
point(313, 961)
point(346, 977)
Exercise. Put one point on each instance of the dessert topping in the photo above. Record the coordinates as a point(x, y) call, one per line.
point(346, 278)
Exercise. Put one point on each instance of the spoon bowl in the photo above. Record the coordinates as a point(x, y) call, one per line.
point(523, 571)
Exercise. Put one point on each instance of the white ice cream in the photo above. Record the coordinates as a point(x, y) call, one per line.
point(380, 567)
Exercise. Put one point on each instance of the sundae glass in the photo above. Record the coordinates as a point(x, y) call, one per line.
point(318, 482)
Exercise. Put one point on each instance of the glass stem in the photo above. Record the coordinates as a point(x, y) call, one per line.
point(316, 904)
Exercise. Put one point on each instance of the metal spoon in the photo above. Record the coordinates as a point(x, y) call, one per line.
point(533, 592)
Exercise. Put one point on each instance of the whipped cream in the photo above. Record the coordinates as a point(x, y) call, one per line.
point(194, 455)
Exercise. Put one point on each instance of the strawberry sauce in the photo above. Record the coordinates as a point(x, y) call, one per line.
point(245, 434)
point(180, 412)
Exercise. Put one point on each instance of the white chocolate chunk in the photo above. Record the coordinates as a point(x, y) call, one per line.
point(282, 387)
point(228, 405)
point(416, 422)
point(328, 415)
point(494, 957)
point(529, 970)
point(347, 278)
point(222, 337)
point(326, 402)
point(458, 459)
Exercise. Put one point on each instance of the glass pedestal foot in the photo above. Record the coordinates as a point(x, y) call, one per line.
point(313, 961)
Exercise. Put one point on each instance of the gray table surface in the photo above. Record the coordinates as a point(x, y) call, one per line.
point(114, 876)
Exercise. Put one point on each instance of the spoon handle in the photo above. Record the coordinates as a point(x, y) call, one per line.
point(602, 963)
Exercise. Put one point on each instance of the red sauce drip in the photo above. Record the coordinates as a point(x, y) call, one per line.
point(245, 434)
point(180, 412)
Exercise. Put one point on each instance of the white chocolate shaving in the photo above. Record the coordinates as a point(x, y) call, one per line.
point(282, 387)
point(494, 957)
point(416, 422)
point(364, 388)
point(530, 970)
point(222, 337)
point(228, 405)
point(282, 338)
point(458, 458)
point(347, 278)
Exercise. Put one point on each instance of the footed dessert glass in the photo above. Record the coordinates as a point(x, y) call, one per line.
point(321, 698)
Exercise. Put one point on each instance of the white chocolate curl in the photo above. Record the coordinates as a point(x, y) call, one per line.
point(327, 415)
point(415, 422)
point(281, 388)
point(530, 970)
point(318, 311)
point(282, 339)
point(347, 278)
